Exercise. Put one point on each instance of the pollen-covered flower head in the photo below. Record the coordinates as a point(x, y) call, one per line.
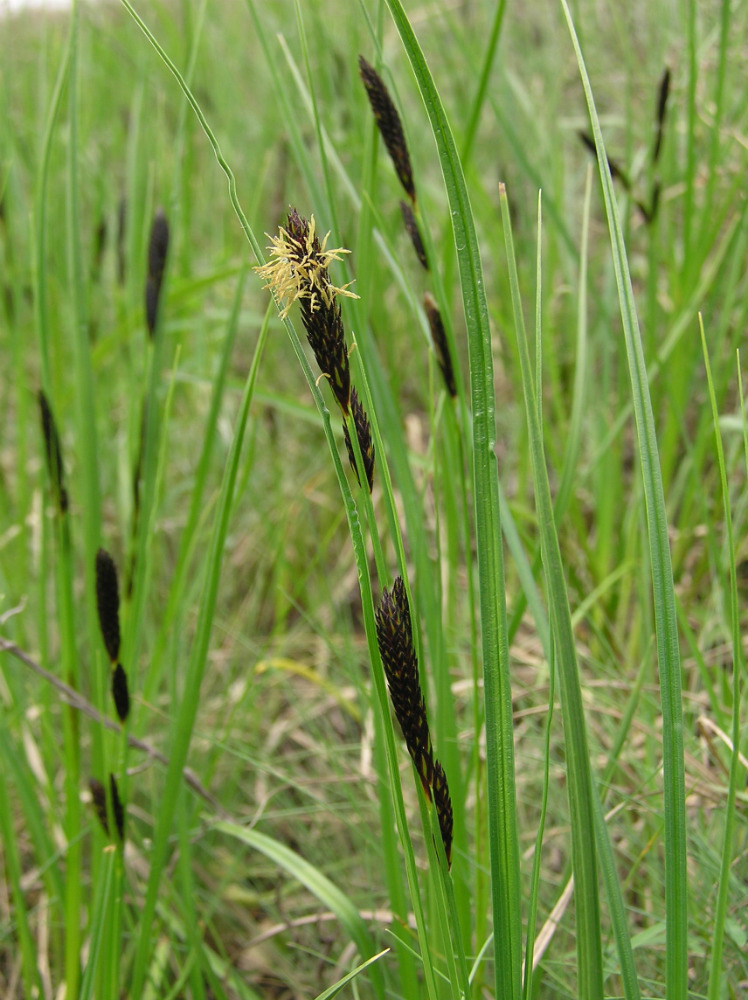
point(298, 265)
point(298, 270)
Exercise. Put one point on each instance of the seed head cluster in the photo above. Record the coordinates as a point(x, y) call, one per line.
point(440, 343)
point(298, 272)
point(107, 602)
point(395, 641)
point(389, 125)
point(158, 248)
point(98, 800)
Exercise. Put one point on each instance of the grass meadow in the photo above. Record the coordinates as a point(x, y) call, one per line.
point(205, 618)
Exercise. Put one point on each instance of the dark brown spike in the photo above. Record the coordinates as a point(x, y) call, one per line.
point(615, 171)
point(53, 451)
point(411, 225)
point(98, 801)
point(395, 641)
point(107, 601)
point(121, 233)
point(443, 804)
point(118, 810)
point(389, 125)
point(120, 692)
point(99, 246)
point(326, 336)
point(662, 96)
point(365, 443)
point(440, 343)
point(158, 248)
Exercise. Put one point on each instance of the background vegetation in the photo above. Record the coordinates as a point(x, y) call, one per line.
point(277, 869)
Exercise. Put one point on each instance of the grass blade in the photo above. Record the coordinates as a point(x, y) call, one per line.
point(499, 744)
point(668, 653)
point(584, 860)
point(738, 665)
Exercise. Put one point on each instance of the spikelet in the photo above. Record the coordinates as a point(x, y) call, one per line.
point(158, 248)
point(107, 601)
point(443, 804)
point(395, 640)
point(662, 96)
point(120, 692)
point(389, 125)
point(53, 451)
point(411, 225)
point(118, 809)
point(441, 345)
point(365, 443)
point(298, 271)
point(98, 800)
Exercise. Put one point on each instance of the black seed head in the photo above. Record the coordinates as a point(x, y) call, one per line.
point(662, 97)
point(441, 345)
point(54, 453)
point(120, 692)
point(118, 810)
point(365, 443)
point(158, 248)
point(443, 804)
point(107, 601)
point(98, 800)
point(395, 641)
point(389, 125)
point(411, 225)
point(324, 331)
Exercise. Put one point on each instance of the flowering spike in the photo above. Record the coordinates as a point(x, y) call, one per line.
point(395, 640)
point(107, 600)
point(298, 270)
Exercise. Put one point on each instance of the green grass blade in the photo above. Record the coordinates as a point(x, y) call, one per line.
point(738, 665)
point(187, 711)
point(317, 883)
point(337, 987)
point(584, 861)
point(668, 653)
point(504, 849)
